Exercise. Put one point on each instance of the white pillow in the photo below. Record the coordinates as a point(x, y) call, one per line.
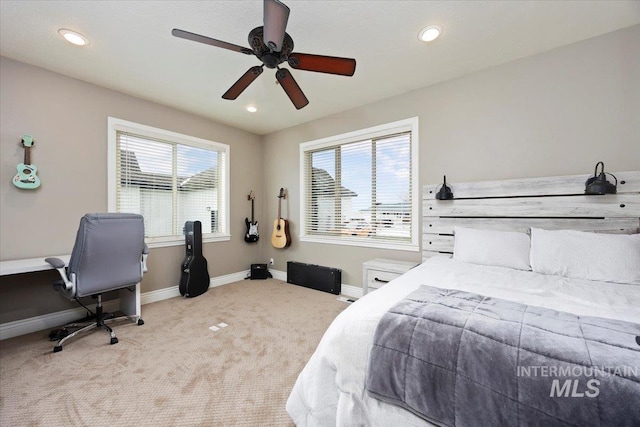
point(492, 247)
point(586, 255)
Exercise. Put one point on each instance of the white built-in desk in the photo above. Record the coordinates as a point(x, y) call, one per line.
point(28, 265)
point(129, 301)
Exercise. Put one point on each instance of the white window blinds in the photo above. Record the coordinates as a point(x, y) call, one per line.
point(361, 191)
point(171, 182)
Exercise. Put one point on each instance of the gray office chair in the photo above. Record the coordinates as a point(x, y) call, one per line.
point(109, 254)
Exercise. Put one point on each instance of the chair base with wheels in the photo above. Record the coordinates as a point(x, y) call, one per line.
point(109, 254)
point(101, 319)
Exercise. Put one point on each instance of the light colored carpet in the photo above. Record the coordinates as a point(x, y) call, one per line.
point(173, 370)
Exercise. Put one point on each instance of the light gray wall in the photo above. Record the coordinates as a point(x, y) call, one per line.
point(68, 120)
point(556, 113)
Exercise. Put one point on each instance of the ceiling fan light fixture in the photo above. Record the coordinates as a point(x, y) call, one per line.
point(430, 33)
point(251, 108)
point(272, 45)
point(73, 37)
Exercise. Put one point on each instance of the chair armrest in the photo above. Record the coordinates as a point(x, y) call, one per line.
point(59, 265)
point(145, 253)
point(55, 262)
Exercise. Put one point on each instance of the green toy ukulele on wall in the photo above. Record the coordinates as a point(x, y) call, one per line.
point(26, 177)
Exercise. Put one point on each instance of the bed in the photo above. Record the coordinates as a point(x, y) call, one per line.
point(336, 388)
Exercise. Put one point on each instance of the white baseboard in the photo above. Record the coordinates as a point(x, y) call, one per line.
point(159, 295)
point(280, 275)
point(351, 291)
point(229, 278)
point(174, 291)
point(53, 320)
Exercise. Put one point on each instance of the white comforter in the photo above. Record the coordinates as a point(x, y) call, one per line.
point(330, 389)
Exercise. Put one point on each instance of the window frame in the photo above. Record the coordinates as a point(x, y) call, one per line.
point(115, 125)
point(411, 125)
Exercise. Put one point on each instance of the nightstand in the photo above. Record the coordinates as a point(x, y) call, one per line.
point(378, 272)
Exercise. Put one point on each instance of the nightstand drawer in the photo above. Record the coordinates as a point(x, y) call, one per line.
point(378, 278)
point(378, 272)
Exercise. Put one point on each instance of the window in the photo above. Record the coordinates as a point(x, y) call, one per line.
point(169, 178)
point(361, 188)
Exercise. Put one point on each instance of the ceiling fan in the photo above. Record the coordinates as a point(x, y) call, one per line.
point(273, 46)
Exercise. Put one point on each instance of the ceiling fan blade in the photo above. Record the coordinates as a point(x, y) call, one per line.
point(291, 88)
point(208, 40)
point(276, 15)
point(243, 82)
point(322, 64)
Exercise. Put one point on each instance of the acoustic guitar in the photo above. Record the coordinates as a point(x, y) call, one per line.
point(251, 236)
point(280, 237)
point(26, 177)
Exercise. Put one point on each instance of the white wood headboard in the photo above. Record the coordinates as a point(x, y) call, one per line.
point(552, 203)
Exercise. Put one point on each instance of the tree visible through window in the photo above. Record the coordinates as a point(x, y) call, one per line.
point(360, 190)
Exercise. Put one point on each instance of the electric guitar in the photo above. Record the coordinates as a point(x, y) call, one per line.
point(280, 237)
point(251, 235)
point(26, 177)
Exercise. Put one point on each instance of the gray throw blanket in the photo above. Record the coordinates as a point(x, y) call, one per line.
point(457, 358)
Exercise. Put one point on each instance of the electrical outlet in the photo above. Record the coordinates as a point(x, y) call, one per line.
point(271, 261)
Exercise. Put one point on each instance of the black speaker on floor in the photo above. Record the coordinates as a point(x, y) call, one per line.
point(259, 272)
point(313, 276)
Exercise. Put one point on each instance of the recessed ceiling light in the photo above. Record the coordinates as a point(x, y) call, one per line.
point(251, 108)
point(73, 37)
point(430, 33)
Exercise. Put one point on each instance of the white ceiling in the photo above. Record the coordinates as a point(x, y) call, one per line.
point(132, 50)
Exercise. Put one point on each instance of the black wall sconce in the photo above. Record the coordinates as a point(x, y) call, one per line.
point(445, 192)
point(598, 184)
